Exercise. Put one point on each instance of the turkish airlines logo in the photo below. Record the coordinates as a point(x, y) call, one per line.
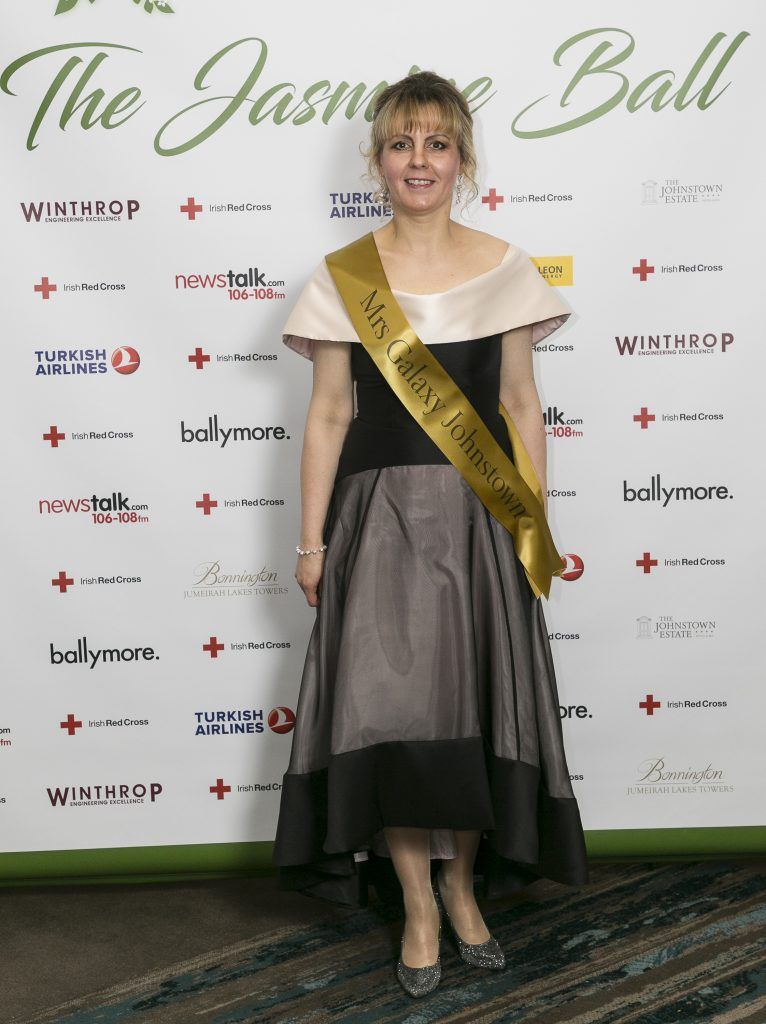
point(573, 569)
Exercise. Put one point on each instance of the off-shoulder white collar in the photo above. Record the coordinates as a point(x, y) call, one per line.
point(509, 295)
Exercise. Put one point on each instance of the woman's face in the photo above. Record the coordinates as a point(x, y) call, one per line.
point(420, 168)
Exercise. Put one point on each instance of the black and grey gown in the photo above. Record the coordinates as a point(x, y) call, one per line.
point(428, 696)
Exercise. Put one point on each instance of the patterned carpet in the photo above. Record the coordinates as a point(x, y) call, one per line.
point(642, 944)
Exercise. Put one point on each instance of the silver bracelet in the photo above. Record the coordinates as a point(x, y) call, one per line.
point(310, 551)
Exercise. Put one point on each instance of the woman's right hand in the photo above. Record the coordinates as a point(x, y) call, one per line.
point(308, 573)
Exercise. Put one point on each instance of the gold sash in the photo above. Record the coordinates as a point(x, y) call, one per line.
point(510, 492)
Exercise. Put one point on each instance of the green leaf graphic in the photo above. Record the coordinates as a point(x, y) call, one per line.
point(62, 6)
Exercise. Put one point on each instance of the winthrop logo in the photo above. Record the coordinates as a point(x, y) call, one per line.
point(655, 491)
point(215, 434)
point(100, 793)
point(84, 655)
point(68, 210)
point(673, 344)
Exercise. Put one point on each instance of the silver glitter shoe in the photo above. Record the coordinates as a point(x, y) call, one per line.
point(419, 981)
point(477, 954)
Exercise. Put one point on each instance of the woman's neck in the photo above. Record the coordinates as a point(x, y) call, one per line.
point(424, 236)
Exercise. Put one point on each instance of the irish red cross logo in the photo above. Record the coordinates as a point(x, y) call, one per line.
point(649, 704)
point(206, 503)
point(213, 646)
point(647, 562)
point(644, 418)
point(71, 724)
point(492, 199)
point(191, 208)
point(219, 789)
point(45, 288)
point(199, 358)
point(643, 269)
point(54, 437)
point(62, 581)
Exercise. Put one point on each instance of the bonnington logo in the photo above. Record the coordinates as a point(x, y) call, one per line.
point(654, 776)
point(668, 627)
point(239, 722)
point(78, 211)
point(213, 433)
point(78, 362)
point(356, 206)
point(655, 491)
point(211, 581)
point(115, 508)
point(673, 192)
point(598, 85)
point(102, 793)
point(82, 654)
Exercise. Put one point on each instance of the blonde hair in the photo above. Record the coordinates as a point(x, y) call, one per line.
point(406, 103)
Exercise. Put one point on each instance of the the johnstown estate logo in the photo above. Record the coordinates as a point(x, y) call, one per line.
point(654, 776)
point(211, 581)
point(668, 627)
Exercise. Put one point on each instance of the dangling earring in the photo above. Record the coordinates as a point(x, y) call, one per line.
point(382, 195)
point(459, 188)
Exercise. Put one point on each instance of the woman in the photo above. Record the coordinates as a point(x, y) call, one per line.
point(427, 725)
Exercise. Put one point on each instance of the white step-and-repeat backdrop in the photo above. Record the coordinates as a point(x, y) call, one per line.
point(171, 174)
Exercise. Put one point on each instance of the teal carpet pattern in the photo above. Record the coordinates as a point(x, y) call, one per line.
point(641, 944)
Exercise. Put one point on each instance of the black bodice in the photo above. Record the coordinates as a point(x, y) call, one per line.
point(384, 433)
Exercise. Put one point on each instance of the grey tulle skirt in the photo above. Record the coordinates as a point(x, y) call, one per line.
point(428, 698)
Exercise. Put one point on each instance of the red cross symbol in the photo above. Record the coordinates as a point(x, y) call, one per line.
point(62, 581)
point(54, 437)
point(213, 646)
point(219, 789)
point(643, 269)
point(647, 562)
point(71, 725)
point(191, 209)
point(46, 288)
point(206, 503)
point(649, 704)
point(644, 418)
point(492, 199)
point(199, 358)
